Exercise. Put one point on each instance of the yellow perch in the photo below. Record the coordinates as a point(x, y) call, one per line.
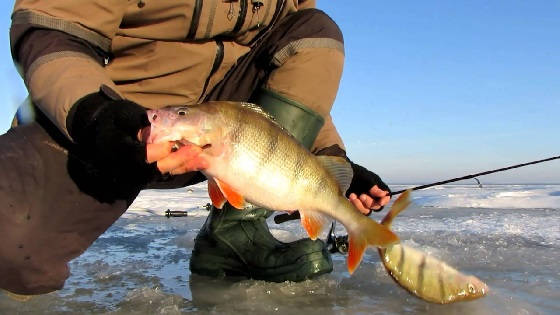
point(425, 276)
point(251, 158)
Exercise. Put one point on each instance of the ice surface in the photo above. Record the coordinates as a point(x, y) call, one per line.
point(507, 235)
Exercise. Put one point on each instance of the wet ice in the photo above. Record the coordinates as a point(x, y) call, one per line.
point(507, 235)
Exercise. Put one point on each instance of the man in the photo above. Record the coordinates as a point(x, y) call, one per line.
point(93, 67)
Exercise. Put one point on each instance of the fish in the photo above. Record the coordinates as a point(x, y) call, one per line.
point(423, 275)
point(252, 159)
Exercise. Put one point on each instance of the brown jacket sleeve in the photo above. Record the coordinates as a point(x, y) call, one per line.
point(60, 50)
point(306, 4)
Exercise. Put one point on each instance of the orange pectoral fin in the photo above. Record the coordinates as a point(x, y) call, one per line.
point(313, 223)
point(218, 199)
point(233, 197)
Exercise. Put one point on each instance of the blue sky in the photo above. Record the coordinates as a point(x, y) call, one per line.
point(432, 89)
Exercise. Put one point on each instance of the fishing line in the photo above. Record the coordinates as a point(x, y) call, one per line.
point(473, 175)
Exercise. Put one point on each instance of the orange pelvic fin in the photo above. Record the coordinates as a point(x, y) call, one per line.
point(233, 197)
point(218, 199)
point(371, 233)
point(356, 248)
point(313, 222)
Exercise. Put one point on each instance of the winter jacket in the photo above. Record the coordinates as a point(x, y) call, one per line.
point(159, 52)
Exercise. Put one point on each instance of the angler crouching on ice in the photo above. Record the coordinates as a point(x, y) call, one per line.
point(93, 68)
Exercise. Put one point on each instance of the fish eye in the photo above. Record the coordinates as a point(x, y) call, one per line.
point(472, 289)
point(182, 111)
point(154, 117)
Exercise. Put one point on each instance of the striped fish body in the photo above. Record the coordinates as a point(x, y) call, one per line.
point(267, 166)
point(252, 159)
point(429, 278)
point(423, 275)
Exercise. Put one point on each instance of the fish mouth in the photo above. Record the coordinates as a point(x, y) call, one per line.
point(484, 289)
point(144, 134)
point(181, 143)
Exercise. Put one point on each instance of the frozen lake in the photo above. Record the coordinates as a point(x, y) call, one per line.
point(507, 235)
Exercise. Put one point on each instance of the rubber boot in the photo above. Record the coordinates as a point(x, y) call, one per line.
point(239, 243)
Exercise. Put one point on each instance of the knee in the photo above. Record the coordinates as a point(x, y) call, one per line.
point(308, 60)
point(30, 280)
point(317, 24)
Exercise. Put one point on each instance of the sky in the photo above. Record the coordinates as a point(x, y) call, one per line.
point(431, 90)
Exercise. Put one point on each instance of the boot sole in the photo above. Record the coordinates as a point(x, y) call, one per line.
point(315, 264)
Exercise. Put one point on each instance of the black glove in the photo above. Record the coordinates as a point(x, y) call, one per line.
point(363, 179)
point(105, 131)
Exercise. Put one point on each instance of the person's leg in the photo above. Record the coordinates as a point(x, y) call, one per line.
point(239, 243)
point(293, 70)
point(46, 219)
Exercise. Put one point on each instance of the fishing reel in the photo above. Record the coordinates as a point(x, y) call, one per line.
point(337, 244)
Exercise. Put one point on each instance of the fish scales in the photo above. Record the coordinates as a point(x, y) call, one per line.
point(284, 172)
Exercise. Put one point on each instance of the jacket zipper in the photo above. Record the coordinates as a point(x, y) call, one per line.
point(241, 17)
point(195, 19)
point(215, 66)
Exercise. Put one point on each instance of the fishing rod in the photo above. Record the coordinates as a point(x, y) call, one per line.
point(179, 213)
point(169, 213)
point(339, 244)
point(281, 218)
point(473, 175)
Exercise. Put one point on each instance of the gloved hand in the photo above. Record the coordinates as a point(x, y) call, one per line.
point(367, 191)
point(106, 133)
point(110, 159)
